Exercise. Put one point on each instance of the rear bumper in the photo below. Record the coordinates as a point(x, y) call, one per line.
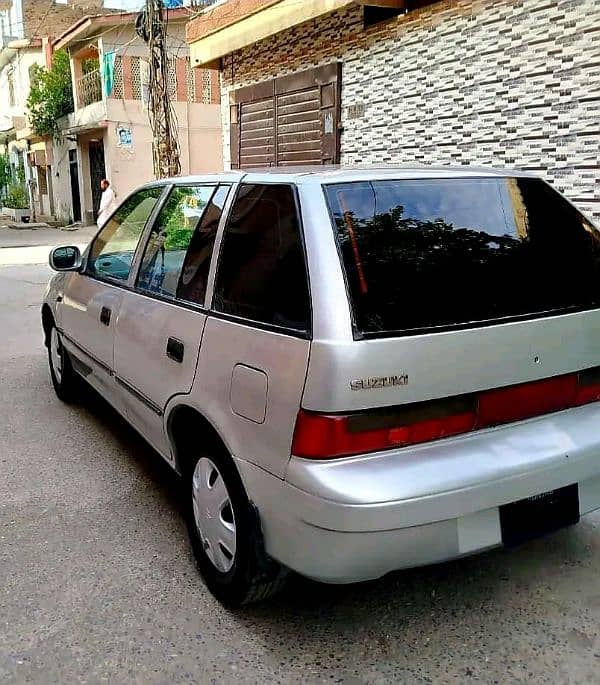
point(356, 519)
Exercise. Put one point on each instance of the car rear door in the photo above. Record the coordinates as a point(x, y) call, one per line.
point(162, 316)
point(92, 299)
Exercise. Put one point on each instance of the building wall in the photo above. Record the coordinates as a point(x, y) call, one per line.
point(509, 83)
point(20, 65)
point(40, 18)
point(199, 125)
point(199, 140)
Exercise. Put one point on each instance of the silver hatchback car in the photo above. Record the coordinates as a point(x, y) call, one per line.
point(353, 370)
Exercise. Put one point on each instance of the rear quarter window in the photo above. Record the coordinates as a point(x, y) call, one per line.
point(262, 275)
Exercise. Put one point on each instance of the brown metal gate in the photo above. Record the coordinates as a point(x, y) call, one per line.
point(287, 121)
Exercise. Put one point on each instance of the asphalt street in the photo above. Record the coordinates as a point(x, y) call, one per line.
point(97, 584)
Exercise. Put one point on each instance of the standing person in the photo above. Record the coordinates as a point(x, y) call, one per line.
point(107, 202)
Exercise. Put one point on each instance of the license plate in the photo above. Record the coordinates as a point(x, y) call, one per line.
point(538, 515)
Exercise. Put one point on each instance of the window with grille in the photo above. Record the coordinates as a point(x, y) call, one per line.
point(136, 78)
point(11, 89)
point(118, 91)
point(206, 86)
point(42, 181)
point(172, 79)
point(190, 81)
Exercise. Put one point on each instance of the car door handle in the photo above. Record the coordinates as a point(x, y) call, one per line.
point(105, 316)
point(175, 350)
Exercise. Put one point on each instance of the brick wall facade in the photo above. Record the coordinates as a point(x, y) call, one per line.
point(509, 83)
point(42, 19)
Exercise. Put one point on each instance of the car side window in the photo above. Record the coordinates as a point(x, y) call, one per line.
point(262, 270)
point(194, 275)
point(179, 224)
point(113, 249)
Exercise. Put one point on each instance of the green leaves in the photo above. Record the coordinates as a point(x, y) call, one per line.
point(51, 95)
point(16, 198)
point(5, 173)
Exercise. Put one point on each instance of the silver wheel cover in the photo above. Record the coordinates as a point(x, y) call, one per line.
point(213, 514)
point(56, 355)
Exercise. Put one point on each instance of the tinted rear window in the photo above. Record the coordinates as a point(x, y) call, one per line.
point(426, 254)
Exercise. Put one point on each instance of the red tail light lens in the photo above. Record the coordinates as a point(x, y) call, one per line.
point(519, 402)
point(325, 436)
point(329, 436)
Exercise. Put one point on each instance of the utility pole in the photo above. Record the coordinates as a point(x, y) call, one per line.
point(152, 27)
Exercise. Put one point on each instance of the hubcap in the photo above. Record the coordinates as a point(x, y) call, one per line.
point(56, 354)
point(213, 514)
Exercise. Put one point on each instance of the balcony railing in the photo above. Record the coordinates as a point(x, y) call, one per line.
point(89, 88)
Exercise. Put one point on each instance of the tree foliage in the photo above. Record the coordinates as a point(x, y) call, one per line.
point(51, 95)
point(5, 173)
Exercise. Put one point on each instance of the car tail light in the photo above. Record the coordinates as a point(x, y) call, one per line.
point(326, 436)
point(329, 436)
point(517, 402)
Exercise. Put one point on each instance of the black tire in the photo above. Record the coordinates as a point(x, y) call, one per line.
point(65, 381)
point(253, 576)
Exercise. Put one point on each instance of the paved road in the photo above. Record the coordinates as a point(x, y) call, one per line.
point(97, 584)
point(25, 237)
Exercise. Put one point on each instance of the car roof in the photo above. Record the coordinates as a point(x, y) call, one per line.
point(343, 174)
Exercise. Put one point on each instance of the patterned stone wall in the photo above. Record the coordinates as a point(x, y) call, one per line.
point(506, 83)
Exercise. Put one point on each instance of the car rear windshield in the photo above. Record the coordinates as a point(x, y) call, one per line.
point(438, 253)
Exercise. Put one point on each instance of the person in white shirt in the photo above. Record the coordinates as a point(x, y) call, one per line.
point(107, 202)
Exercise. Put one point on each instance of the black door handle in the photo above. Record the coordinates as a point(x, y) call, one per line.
point(105, 316)
point(175, 350)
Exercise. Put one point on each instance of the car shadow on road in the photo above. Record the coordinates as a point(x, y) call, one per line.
point(468, 603)
point(153, 469)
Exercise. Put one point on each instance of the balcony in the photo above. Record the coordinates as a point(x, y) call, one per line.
point(89, 88)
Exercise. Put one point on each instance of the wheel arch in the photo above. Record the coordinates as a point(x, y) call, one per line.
point(187, 425)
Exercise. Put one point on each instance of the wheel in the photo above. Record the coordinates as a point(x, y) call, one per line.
point(64, 378)
point(225, 534)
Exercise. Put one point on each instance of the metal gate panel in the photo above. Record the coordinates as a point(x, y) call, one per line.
point(298, 128)
point(256, 136)
point(287, 121)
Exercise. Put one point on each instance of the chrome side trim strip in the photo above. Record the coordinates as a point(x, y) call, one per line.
point(101, 364)
point(139, 396)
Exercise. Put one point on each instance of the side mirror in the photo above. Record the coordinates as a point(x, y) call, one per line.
point(65, 259)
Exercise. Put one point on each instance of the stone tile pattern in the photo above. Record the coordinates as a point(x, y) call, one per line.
point(508, 83)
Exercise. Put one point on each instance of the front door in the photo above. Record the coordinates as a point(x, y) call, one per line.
point(161, 321)
point(75, 196)
point(97, 172)
point(92, 300)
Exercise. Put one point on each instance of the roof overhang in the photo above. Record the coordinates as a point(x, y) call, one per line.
point(229, 26)
point(91, 26)
point(83, 128)
point(11, 49)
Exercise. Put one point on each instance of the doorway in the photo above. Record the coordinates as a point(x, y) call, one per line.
point(75, 196)
point(97, 172)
